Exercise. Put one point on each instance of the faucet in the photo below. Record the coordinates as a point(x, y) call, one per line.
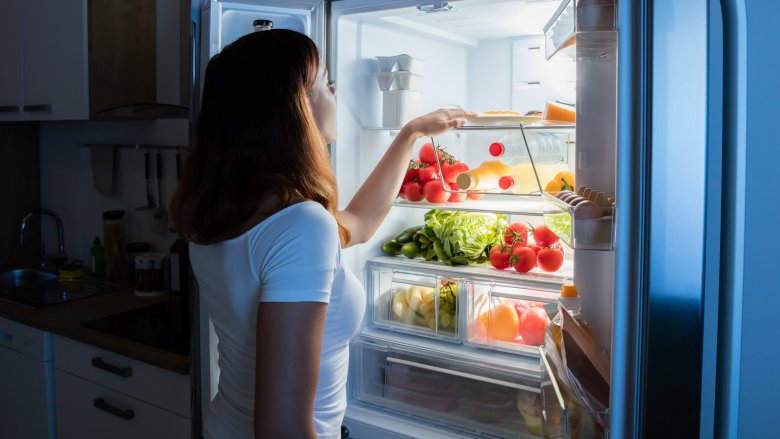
point(60, 256)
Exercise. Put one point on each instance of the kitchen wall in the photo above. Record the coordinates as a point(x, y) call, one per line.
point(66, 181)
point(18, 190)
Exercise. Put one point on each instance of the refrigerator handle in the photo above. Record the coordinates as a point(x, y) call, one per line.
point(462, 374)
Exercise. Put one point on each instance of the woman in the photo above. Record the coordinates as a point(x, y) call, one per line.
point(258, 203)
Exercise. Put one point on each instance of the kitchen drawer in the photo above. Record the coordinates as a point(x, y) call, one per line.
point(422, 303)
point(508, 316)
point(87, 410)
point(152, 384)
point(487, 398)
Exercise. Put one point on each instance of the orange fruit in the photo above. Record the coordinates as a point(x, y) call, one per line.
point(504, 323)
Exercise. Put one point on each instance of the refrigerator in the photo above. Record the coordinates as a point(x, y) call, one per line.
point(659, 273)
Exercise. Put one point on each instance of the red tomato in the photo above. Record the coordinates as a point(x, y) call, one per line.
point(412, 191)
point(559, 247)
point(434, 192)
point(544, 236)
point(549, 259)
point(516, 233)
point(532, 324)
point(475, 195)
point(428, 154)
point(535, 248)
point(523, 259)
point(499, 256)
point(456, 197)
point(450, 171)
point(462, 167)
point(518, 340)
point(424, 175)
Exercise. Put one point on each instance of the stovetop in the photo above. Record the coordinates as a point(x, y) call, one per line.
point(164, 325)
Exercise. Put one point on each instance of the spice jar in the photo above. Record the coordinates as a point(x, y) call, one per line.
point(151, 274)
point(114, 244)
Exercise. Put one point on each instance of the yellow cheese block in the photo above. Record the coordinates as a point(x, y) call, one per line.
point(555, 111)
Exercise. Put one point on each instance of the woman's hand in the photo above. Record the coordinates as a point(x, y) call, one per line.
point(437, 122)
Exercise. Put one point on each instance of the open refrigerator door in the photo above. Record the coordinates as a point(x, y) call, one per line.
point(449, 345)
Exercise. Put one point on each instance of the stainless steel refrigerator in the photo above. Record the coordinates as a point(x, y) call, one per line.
point(673, 119)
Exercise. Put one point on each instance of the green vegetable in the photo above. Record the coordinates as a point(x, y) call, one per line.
point(391, 248)
point(410, 249)
point(461, 237)
point(407, 235)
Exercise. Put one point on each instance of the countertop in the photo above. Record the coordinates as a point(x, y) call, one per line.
point(66, 319)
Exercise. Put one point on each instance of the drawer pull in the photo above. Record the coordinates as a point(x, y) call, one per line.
point(116, 370)
point(37, 107)
point(101, 404)
point(9, 109)
point(462, 374)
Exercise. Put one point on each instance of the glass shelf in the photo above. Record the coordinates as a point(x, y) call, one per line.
point(509, 204)
point(489, 128)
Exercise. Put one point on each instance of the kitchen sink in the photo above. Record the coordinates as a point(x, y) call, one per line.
point(24, 277)
point(36, 288)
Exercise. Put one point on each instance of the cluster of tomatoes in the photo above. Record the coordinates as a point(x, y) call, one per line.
point(422, 179)
point(516, 251)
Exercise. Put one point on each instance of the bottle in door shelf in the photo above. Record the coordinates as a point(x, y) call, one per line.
point(569, 300)
point(115, 251)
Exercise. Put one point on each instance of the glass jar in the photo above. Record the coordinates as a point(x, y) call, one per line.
point(116, 264)
point(134, 249)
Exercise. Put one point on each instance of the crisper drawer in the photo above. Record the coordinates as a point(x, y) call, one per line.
point(140, 380)
point(485, 398)
point(508, 316)
point(417, 302)
point(87, 410)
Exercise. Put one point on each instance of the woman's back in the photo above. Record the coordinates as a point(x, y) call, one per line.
point(292, 256)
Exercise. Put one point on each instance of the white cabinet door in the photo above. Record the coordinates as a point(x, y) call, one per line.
point(86, 410)
point(55, 60)
point(11, 71)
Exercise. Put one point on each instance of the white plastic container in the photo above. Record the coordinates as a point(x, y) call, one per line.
point(385, 80)
point(408, 64)
point(386, 63)
point(407, 81)
point(399, 107)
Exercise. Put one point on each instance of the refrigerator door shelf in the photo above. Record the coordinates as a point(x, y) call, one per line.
point(563, 419)
point(507, 317)
point(586, 234)
point(574, 19)
point(450, 392)
point(424, 304)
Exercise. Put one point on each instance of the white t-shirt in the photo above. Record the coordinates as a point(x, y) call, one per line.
point(291, 256)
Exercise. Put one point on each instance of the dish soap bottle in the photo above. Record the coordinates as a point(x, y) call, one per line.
point(569, 300)
point(98, 258)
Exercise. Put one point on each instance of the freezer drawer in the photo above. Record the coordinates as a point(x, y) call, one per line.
point(435, 387)
point(506, 316)
point(421, 303)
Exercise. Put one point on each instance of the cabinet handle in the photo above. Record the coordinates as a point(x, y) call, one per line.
point(534, 47)
point(37, 107)
point(470, 376)
point(9, 109)
point(101, 404)
point(116, 370)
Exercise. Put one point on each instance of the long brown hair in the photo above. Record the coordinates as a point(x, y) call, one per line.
point(255, 133)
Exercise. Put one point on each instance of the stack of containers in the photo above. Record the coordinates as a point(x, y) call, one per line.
point(400, 80)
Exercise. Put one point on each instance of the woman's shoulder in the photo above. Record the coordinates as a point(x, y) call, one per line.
point(308, 216)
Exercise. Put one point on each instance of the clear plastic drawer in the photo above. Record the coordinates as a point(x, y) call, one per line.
point(414, 302)
point(508, 316)
point(480, 398)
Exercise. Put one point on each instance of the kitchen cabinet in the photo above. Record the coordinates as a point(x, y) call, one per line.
point(26, 382)
point(77, 60)
point(103, 394)
point(44, 73)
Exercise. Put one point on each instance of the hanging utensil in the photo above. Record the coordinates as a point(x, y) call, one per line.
point(160, 221)
point(150, 203)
